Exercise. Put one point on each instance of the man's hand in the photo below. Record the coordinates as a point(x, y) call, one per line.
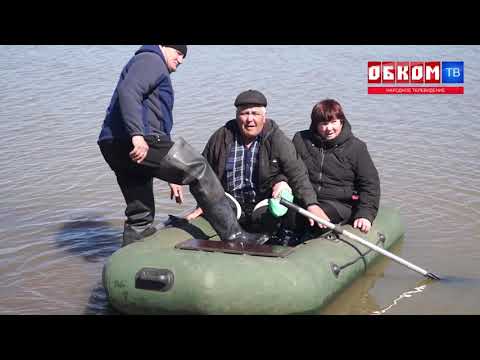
point(140, 149)
point(193, 215)
point(317, 210)
point(363, 224)
point(177, 192)
point(278, 188)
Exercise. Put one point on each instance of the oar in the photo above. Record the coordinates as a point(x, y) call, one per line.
point(359, 239)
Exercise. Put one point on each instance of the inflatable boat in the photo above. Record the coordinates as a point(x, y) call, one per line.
point(185, 269)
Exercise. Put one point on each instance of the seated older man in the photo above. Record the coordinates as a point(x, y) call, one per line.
point(254, 160)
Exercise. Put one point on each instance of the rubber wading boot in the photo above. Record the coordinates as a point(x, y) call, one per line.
point(131, 235)
point(183, 165)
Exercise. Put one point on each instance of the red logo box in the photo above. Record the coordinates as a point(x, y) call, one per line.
point(432, 72)
point(403, 72)
point(417, 72)
point(374, 72)
point(388, 72)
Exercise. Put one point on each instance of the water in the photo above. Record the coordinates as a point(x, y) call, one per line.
point(62, 213)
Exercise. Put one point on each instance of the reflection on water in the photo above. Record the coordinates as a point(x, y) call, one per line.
point(98, 303)
point(407, 294)
point(62, 212)
point(91, 239)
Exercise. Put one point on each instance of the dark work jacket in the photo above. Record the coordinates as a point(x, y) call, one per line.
point(277, 161)
point(142, 102)
point(340, 168)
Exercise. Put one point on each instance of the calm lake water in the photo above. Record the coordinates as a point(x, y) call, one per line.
point(61, 213)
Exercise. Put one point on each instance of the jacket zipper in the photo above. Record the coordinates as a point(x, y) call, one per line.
point(321, 168)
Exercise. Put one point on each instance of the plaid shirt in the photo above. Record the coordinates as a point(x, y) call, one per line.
point(241, 171)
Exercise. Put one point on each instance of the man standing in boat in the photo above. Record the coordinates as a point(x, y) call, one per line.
point(255, 161)
point(135, 142)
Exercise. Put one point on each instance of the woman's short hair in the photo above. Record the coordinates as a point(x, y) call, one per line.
point(325, 111)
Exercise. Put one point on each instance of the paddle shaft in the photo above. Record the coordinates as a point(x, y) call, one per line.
point(358, 239)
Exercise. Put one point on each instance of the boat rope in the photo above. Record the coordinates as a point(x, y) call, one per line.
point(337, 269)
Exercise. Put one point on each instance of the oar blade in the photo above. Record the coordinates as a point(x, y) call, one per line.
point(433, 276)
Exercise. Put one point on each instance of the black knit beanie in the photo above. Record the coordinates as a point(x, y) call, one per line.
point(181, 48)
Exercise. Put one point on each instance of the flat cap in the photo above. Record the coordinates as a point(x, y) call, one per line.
point(251, 97)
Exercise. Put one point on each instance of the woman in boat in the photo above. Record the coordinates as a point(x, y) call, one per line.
point(340, 167)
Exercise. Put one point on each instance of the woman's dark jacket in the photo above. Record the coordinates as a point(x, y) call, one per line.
point(340, 168)
point(277, 161)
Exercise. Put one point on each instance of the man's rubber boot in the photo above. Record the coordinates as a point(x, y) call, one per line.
point(183, 165)
point(131, 234)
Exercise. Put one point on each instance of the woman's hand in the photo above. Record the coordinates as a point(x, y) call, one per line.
point(363, 224)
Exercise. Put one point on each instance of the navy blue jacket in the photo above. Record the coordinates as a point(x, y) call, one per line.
point(142, 102)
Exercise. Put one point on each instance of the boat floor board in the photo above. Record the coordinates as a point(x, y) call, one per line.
point(234, 248)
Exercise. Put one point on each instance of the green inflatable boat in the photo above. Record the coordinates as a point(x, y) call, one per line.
point(185, 269)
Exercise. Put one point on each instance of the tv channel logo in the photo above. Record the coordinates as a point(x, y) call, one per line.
point(452, 72)
point(415, 72)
